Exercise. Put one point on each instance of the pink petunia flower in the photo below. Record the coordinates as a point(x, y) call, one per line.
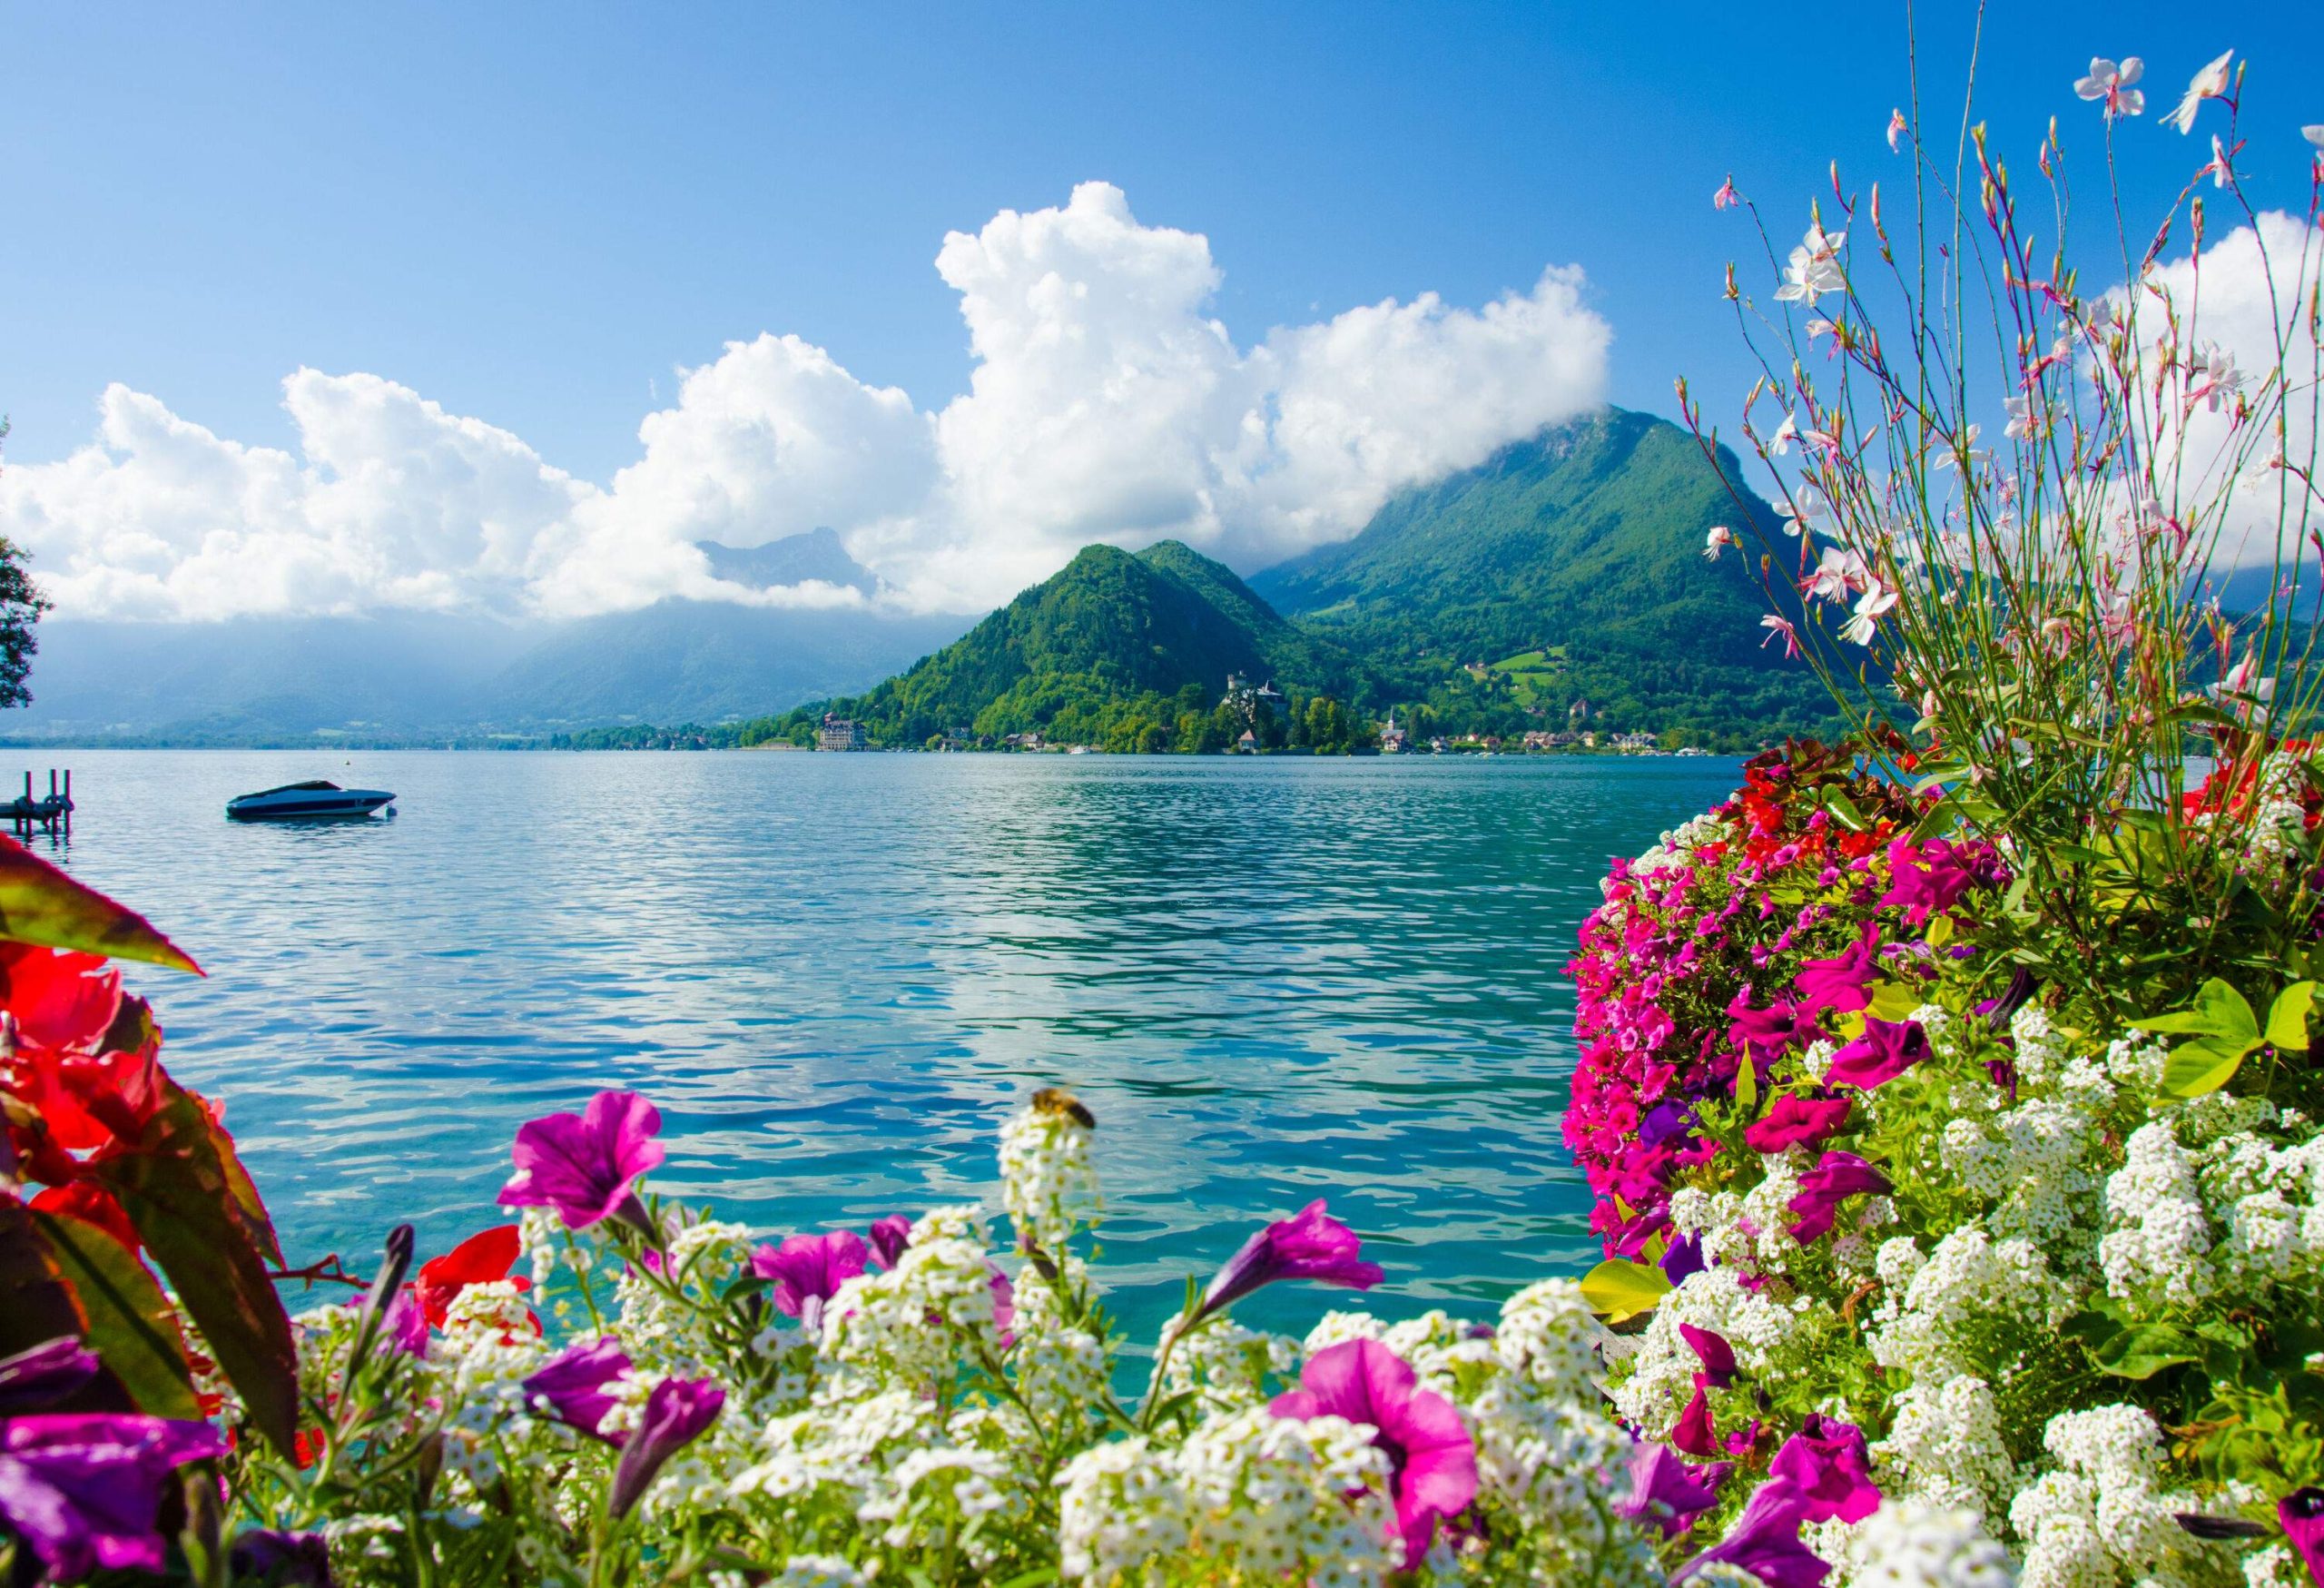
point(1794, 1119)
point(1309, 1245)
point(809, 1269)
point(1827, 1459)
point(1885, 1050)
point(1668, 1492)
point(1838, 983)
point(586, 1165)
point(2301, 1514)
point(1432, 1459)
point(890, 1236)
point(1765, 1541)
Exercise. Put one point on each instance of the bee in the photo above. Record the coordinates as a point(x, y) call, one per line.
point(1056, 1101)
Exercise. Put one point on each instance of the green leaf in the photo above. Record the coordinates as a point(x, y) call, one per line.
point(2287, 1018)
point(1618, 1289)
point(41, 905)
point(2145, 1350)
point(131, 1326)
point(1746, 1085)
point(2219, 1010)
point(1892, 1000)
point(178, 1192)
point(37, 1304)
point(2195, 1068)
point(1843, 810)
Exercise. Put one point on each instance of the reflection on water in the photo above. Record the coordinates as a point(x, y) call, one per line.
point(1270, 980)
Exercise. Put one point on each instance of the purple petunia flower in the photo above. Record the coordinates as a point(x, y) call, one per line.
point(2301, 1512)
point(405, 1328)
point(576, 1385)
point(676, 1412)
point(1794, 1119)
point(1765, 1541)
point(1683, 1260)
point(1668, 1491)
point(1838, 983)
point(1311, 1245)
point(83, 1490)
point(1665, 1122)
point(809, 1269)
point(32, 1380)
point(890, 1236)
point(586, 1165)
point(1433, 1461)
point(1885, 1050)
point(1838, 1176)
point(1827, 1459)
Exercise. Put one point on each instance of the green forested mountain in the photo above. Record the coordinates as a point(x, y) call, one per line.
point(1115, 650)
point(1565, 569)
point(1578, 557)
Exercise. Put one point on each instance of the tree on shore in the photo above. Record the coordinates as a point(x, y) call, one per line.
point(21, 605)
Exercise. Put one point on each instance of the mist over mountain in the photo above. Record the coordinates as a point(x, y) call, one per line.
point(417, 677)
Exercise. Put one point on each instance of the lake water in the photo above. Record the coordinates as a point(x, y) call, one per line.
point(1270, 980)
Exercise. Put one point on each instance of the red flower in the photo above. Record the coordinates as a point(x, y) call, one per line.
point(60, 999)
point(481, 1259)
point(92, 1204)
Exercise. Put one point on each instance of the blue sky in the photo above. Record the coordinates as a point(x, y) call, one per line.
point(527, 213)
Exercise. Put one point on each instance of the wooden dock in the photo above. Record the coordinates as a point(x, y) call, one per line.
point(52, 813)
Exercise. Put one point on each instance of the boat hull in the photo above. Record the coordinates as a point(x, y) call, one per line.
point(347, 805)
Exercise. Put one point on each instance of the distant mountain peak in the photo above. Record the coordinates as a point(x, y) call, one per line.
point(795, 558)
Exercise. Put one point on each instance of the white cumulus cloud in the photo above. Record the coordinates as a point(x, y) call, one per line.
point(1106, 404)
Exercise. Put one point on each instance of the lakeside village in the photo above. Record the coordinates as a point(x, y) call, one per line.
point(1264, 715)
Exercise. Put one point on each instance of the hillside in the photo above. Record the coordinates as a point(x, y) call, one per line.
point(1112, 646)
point(1585, 545)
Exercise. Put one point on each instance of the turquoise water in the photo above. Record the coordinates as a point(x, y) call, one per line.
point(1270, 980)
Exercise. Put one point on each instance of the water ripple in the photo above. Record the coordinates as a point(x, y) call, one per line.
point(1272, 980)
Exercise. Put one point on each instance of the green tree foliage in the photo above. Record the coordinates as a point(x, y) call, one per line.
point(1586, 543)
point(21, 605)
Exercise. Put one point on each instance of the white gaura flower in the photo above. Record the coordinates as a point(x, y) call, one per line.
point(2112, 84)
point(1780, 625)
point(2219, 169)
point(1801, 508)
point(2021, 417)
point(2212, 378)
point(1718, 540)
point(1968, 450)
point(2314, 135)
point(1897, 127)
point(1815, 267)
point(1837, 574)
point(1870, 607)
point(2211, 82)
point(1785, 434)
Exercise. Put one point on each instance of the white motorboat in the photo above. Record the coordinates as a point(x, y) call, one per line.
point(317, 800)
